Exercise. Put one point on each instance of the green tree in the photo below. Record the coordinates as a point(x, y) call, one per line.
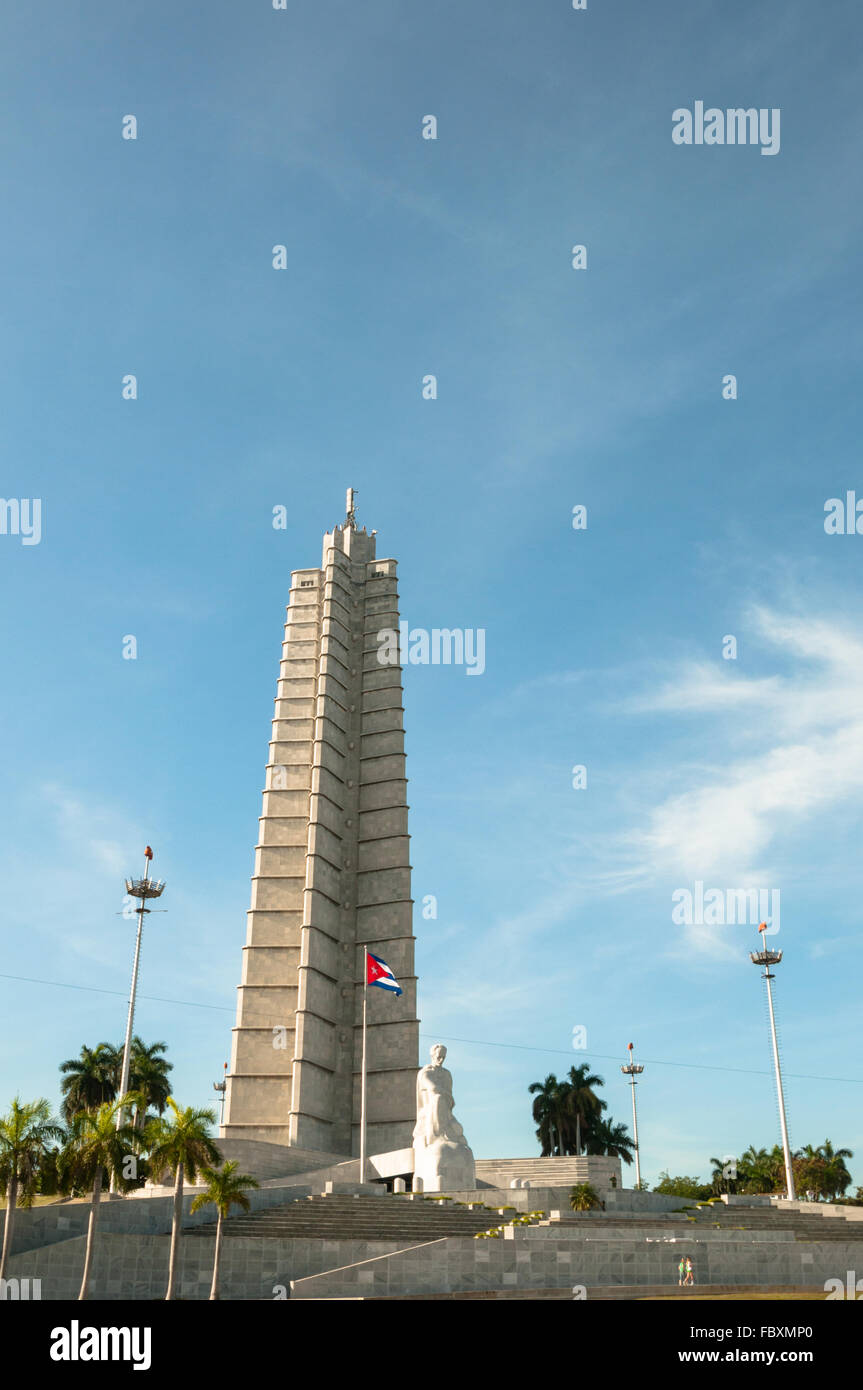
point(181, 1145)
point(611, 1141)
point(760, 1171)
point(718, 1181)
point(48, 1181)
point(148, 1077)
point(583, 1107)
point(810, 1171)
point(549, 1113)
point(225, 1188)
point(96, 1147)
point(683, 1187)
point(583, 1197)
point(89, 1080)
point(777, 1168)
point(26, 1132)
point(837, 1177)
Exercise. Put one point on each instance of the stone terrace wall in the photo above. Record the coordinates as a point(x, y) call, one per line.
point(127, 1267)
point(548, 1257)
point(141, 1216)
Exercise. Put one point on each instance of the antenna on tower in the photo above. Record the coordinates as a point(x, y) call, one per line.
point(351, 509)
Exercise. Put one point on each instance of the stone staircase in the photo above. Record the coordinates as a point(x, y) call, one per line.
point(354, 1218)
point(547, 1172)
point(804, 1227)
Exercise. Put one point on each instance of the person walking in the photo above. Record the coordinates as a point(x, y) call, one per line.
point(681, 1270)
point(690, 1273)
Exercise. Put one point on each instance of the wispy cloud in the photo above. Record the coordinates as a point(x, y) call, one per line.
point(780, 749)
point(82, 827)
point(807, 725)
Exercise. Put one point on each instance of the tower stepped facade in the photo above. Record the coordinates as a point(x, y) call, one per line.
point(332, 874)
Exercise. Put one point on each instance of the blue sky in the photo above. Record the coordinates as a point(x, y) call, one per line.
point(556, 387)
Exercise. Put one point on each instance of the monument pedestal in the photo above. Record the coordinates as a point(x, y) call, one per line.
point(444, 1166)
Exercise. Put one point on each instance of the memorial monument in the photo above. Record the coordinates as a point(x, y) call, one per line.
point(442, 1160)
point(332, 874)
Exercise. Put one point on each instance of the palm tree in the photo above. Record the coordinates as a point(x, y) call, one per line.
point(225, 1188)
point(757, 1169)
point(836, 1173)
point(90, 1079)
point(181, 1145)
point(810, 1171)
point(548, 1112)
point(611, 1140)
point(148, 1075)
point(777, 1169)
point(25, 1134)
point(96, 1146)
point(112, 1059)
point(718, 1178)
point(583, 1197)
point(582, 1103)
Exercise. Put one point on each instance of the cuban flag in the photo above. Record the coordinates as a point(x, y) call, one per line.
point(379, 973)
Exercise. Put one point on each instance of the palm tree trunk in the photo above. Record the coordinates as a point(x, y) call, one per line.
point(214, 1291)
point(175, 1232)
point(578, 1132)
point(11, 1200)
point(91, 1232)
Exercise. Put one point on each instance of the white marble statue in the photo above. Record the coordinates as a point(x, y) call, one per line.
point(442, 1160)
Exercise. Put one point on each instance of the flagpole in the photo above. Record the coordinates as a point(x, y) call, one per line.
point(363, 1080)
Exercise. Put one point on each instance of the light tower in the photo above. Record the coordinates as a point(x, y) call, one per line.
point(143, 889)
point(221, 1087)
point(632, 1071)
point(767, 958)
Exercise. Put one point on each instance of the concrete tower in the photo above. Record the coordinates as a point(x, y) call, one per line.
point(332, 872)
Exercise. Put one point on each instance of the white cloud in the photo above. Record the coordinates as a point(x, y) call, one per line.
point(780, 750)
point(82, 827)
point(808, 727)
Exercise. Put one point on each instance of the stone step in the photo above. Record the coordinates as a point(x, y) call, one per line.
point(814, 1229)
point(602, 1293)
point(344, 1217)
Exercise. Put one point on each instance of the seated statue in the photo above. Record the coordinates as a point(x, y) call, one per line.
point(442, 1160)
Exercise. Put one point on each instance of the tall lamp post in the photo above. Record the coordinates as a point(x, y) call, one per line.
point(221, 1087)
point(767, 958)
point(143, 889)
point(632, 1071)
